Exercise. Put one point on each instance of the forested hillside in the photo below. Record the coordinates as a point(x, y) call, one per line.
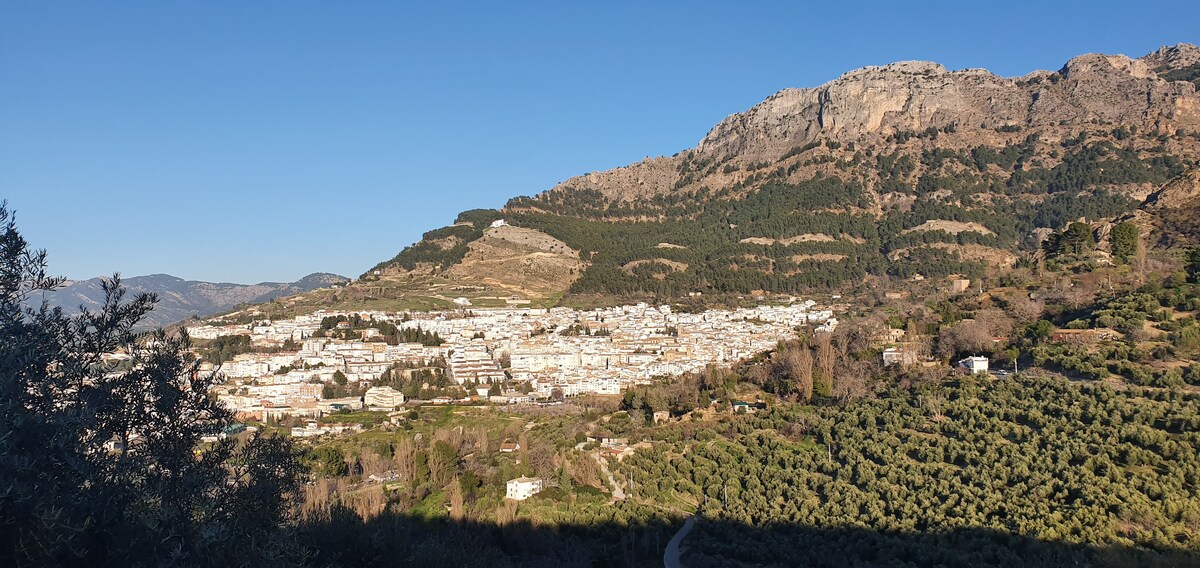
point(785, 199)
point(966, 474)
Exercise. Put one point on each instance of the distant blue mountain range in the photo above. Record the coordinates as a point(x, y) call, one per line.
point(180, 299)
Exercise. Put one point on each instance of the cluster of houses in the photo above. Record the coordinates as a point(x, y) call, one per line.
point(559, 352)
point(901, 353)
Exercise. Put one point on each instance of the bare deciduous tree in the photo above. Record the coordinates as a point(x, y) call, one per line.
point(826, 360)
point(1023, 309)
point(374, 464)
point(506, 513)
point(457, 511)
point(964, 337)
point(479, 438)
point(543, 460)
point(584, 470)
point(995, 321)
point(802, 367)
point(404, 459)
point(853, 380)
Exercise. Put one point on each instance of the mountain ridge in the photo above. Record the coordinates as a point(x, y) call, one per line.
point(880, 160)
point(866, 101)
point(180, 299)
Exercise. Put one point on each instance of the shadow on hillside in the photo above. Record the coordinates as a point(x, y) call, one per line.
point(399, 540)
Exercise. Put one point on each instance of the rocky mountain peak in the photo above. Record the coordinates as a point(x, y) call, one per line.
point(893, 170)
point(872, 104)
point(898, 68)
point(1106, 65)
point(1177, 56)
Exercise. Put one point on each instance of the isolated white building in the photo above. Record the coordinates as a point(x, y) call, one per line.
point(974, 365)
point(522, 488)
point(383, 397)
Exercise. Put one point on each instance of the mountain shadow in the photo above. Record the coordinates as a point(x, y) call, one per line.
point(397, 539)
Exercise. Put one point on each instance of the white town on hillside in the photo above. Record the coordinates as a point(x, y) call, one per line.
point(559, 352)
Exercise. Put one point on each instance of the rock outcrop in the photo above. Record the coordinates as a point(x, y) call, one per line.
point(1183, 191)
point(901, 170)
point(872, 103)
point(1173, 57)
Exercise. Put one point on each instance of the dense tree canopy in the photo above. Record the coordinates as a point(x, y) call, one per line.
point(100, 461)
point(904, 476)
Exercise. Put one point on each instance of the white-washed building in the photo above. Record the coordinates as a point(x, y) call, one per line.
point(522, 488)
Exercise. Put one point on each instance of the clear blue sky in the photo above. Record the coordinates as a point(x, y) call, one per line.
point(250, 141)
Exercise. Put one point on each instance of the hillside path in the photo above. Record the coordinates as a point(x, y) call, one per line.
point(617, 493)
point(671, 555)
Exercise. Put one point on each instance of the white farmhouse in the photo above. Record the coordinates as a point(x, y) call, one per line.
point(974, 365)
point(522, 488)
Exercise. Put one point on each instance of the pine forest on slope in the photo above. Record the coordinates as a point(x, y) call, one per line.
point(889, 171)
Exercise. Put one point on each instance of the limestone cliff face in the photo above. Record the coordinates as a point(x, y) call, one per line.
point(913, 96)
point(1115, 89)
point(906, 96)
point(869, 104)
point(1173, 57)
point(1171, 215)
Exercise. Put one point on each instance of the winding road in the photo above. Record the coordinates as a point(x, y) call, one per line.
point(671, 555)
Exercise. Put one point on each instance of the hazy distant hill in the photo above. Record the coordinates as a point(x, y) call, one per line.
point(180, 299)
point(891, 171)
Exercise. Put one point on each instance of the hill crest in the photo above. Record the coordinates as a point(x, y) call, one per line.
point(180, 299)
point(882, 157)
